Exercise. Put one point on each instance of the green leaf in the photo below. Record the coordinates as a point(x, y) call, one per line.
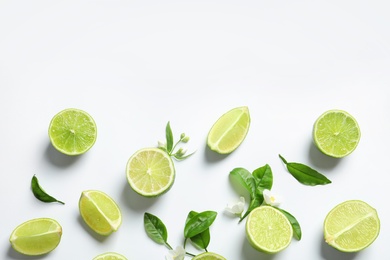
point(245, 179)
point(255, 202)
point(304, 174)
point(40, 194)
point(169, 137)
point(199, 223)
point(297, 232)
point(200, 240)
point(155, 229)
point(264, 177)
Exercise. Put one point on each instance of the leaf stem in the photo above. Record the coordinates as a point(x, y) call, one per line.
point(284, 160)
point(168, 245)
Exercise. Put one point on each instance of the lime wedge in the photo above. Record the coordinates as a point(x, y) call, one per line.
point(268, 230)
point(336, 133)
point(36, 237)
point(150, 172)
point(110, 256)
point(208, 256)
point(351, 226)
point(72, 131)
point(100, 212)
point(229, 131)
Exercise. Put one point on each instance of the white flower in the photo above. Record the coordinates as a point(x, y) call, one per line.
point(177, 254)
point(271, 198)
point(237, 207)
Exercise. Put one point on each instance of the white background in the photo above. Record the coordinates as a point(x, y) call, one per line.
point(135, 65)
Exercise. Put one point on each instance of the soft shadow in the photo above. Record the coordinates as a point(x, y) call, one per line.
point(249, 253)
point(135, 201)
point(213, 157)
point(329, 253)
point(59, 159)
point(92, 233)
point(320, 160)
point(12, 254)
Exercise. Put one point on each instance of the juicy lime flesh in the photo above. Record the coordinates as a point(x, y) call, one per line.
point(268, 230)
point(100, 212)
point(72, 131)
point(336, 133)
point(150, 172)
point(229, 131)
point(351, 226)
point(208, 256)
point(110, 256)
point(36, 236)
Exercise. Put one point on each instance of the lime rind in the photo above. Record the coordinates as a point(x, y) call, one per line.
point(110, 256)
point(208, 256)
point(351, 226)
point(336, 133)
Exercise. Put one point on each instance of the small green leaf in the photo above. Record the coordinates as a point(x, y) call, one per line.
point(169, 137)
point(297, 232)
point(245, 179)
point(39, 193)
point(255, 202)
point(200, 240)
point(155, 229)
point(304, 174)
point(264, 177)
point(199, 223)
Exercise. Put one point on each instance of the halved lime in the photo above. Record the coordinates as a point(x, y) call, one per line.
point(100, 212)
point(72, 131)
point(229, 131)
point(268, 230)
point(351, 226)
point(36, 237)
point(336, 133)
point(150, 172)
point(110, 256)
point(208, 256)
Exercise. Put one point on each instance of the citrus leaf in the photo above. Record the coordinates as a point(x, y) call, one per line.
point(199, 223)
point(169, 137)
point(155, 229)
point(200, 240)
point(40, 194)
point(264, 177)
point(245, 179)
point(297, 232)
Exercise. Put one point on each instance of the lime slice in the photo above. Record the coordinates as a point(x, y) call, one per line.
point(229, 130)
point(336, 133)
point(208, 256)
point(100, 212)
point(72, 131)
point(36, 237)
point(110, 256)
point(351, 226)
point(268, 230)
point(150, 172)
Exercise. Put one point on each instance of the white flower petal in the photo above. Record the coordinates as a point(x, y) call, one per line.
point(236, 207)
point(272, 198)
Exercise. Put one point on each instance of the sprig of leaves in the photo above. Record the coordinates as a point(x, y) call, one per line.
point(305, 174)
point(170, 146)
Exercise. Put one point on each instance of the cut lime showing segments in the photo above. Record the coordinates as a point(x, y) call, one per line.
point(208, 256)
point(36, 237)
point(351, 226)
point(100, 212)
point(150, 172)
point(229, 131)
point(336, 133)
point(268, 230)
point(72, 131)
point(110, 256)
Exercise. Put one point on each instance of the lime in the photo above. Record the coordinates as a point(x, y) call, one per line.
point(208, 256)
point(268, 230)
point(150, 172)
point(336, 133)
point(100, 212)
point(36, 236)
point(110, 256)
point(72, 131)
point(229, 130)
point(351, 226)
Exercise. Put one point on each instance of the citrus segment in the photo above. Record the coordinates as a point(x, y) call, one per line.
point(36, 237)
point(336, 133)
point(100, 212)
point(268, 230)
point(72, 131)
point(150, 172)
point(208, 256)
point(110, 256)
point(351, 226)
point(229, 131)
